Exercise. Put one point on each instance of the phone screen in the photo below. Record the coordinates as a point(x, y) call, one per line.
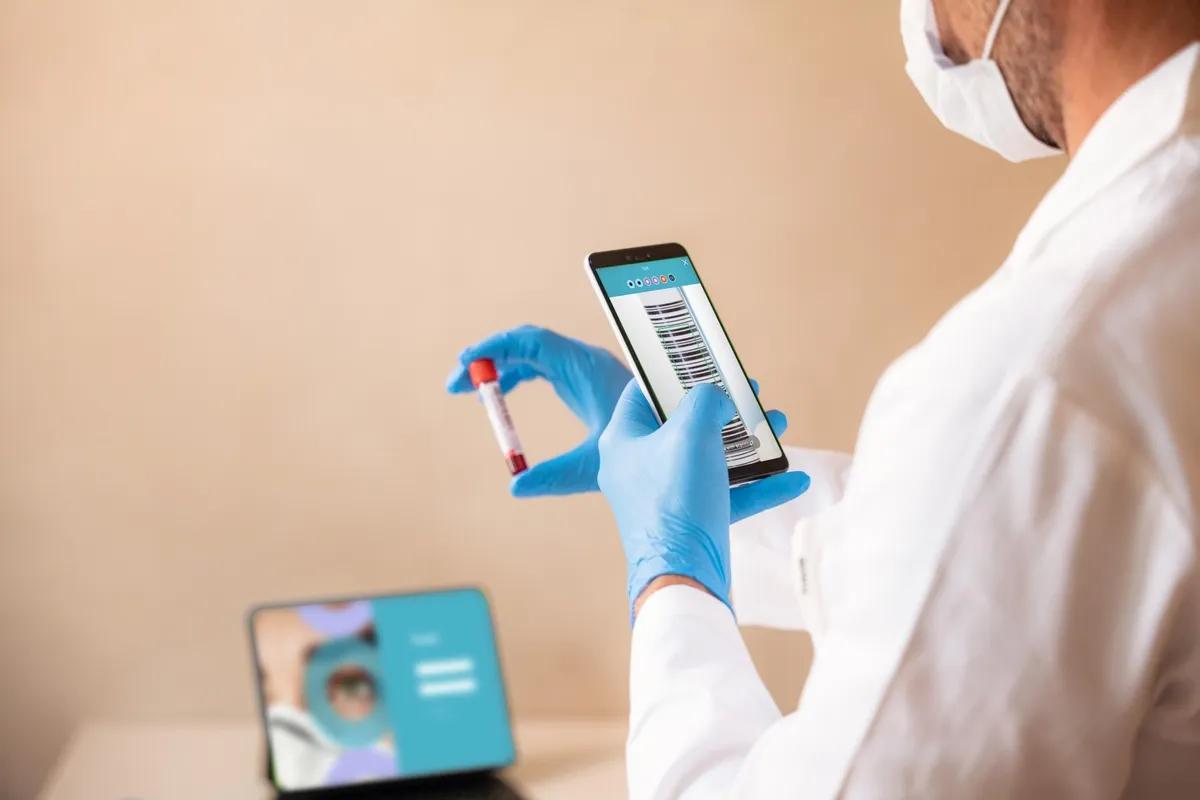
point(676, 341)
point(382, 688)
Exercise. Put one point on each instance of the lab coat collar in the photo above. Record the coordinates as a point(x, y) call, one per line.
point(1162, 104)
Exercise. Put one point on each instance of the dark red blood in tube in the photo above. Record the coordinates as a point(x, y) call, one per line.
point(516, 463)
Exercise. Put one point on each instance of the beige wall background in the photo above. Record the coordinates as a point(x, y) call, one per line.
point(242, 242)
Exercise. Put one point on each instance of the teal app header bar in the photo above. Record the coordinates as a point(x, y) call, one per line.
point(647, 277)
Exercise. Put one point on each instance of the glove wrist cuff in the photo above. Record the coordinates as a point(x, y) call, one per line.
point(700, 569)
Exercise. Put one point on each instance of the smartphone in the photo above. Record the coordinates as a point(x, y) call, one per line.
point(673, 340)
point(401, 688)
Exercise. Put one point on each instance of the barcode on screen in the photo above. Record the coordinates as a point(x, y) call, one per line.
point(693, 362)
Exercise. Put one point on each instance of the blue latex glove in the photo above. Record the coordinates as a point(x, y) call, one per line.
point(669, 489)
point(588, 379)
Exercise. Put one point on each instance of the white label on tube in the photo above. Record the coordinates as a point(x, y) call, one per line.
point(502, 424)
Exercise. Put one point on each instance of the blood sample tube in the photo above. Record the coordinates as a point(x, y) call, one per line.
point(483, 376)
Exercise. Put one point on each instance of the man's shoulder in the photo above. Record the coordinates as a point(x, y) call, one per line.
point(1109, 318)
point(1117, 286)
point(1123, 335)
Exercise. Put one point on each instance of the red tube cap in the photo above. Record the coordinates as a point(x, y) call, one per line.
point(482, 370)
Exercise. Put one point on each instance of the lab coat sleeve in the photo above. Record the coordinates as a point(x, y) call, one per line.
point(764, 574)
point(998, 605)
point(698, 705)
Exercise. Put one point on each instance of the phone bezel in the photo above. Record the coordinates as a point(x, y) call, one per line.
point(407, 782)
point(637, 255)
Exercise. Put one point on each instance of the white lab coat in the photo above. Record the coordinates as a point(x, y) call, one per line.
point(1006, 601)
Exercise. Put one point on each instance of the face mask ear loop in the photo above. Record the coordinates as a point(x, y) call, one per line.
point(995, 31)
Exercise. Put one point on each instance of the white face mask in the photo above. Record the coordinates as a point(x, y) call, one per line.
point(971, 99)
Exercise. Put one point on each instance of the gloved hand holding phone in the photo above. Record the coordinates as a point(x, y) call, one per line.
point(669, 489)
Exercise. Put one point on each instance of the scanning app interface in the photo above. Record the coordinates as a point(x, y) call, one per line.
point(674, 332)
point(377, 689)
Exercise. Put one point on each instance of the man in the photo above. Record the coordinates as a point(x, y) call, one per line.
point(1005, 599)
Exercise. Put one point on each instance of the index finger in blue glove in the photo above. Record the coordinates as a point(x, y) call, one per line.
point(518, 349)
point(523, 343)
point(511, 377)
point(746, 501)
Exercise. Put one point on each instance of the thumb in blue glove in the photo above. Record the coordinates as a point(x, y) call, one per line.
point(669, 489)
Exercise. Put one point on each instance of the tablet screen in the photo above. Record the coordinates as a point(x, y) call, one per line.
point(380, 688)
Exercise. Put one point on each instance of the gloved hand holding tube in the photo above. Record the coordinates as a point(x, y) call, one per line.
point(669, 489)
point(589, 380)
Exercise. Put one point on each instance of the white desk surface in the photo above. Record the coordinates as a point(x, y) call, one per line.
point(577, 759)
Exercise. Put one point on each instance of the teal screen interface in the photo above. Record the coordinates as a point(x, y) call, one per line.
point(382, 688)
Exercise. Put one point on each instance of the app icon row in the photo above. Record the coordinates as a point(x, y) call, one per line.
point(653, 280)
